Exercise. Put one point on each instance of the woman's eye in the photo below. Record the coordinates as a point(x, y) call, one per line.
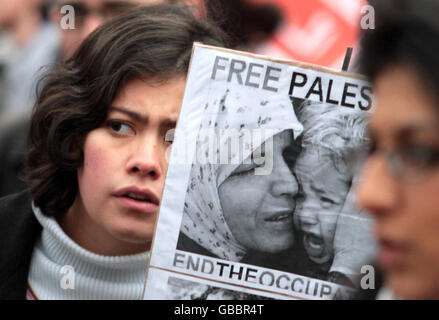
point(421, 156)
point(245, 170)
point(372, 148)
point(120, 128)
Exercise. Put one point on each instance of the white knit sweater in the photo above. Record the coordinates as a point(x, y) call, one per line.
point(92, 276)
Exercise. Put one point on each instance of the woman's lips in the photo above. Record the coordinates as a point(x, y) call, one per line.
point(391, 254)
point(281, 220)
point(137, 205)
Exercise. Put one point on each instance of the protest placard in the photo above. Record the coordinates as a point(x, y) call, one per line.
point(258, 201)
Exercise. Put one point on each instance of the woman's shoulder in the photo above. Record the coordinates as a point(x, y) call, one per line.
point(11, 205)
point(18, 231)
point(17, 221)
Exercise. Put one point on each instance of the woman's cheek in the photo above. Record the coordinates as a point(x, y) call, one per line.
point(97, 167)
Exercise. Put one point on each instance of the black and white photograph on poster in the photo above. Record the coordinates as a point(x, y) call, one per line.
point(274, 149)
point(182, 289)
point(286, 219)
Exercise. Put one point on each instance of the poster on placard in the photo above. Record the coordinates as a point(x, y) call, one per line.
point(258, 200)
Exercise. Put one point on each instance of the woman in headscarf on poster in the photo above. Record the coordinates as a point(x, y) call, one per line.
point(242, 200)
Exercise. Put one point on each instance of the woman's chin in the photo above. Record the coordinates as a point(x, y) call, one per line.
point(136, 236)
point(274, 246)
point(412, 287)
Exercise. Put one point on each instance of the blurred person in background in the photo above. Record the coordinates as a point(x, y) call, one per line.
point(249, 23)
point(89, 14)
point(28, 42)
point(400, 180)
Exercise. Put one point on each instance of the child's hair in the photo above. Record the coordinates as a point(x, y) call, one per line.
point(328, 126)
point(153, 43)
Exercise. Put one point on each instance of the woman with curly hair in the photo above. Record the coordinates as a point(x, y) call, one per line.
point(96, 164)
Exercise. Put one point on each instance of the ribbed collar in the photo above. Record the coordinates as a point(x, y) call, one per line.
point(96, 276)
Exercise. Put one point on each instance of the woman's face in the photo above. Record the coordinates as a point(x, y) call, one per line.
point(405, 204)
point(259, 208)
point(324, 193)
point(123, 174)
point(10, 11)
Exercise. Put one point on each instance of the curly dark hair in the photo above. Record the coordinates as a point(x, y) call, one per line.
point(150, 42)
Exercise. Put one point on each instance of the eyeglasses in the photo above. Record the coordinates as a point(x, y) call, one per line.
point(412, 161)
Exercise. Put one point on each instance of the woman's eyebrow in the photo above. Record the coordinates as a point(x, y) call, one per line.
point(129, 113)
point(169, 122)
point(413, 129)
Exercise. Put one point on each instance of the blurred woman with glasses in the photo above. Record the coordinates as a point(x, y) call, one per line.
point(400, 181)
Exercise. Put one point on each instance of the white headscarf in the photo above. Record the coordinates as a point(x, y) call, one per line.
point(241, 109)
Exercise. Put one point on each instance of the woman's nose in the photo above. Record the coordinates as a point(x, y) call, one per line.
point(147, 159)
point(377, 189)
point(284, 181)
